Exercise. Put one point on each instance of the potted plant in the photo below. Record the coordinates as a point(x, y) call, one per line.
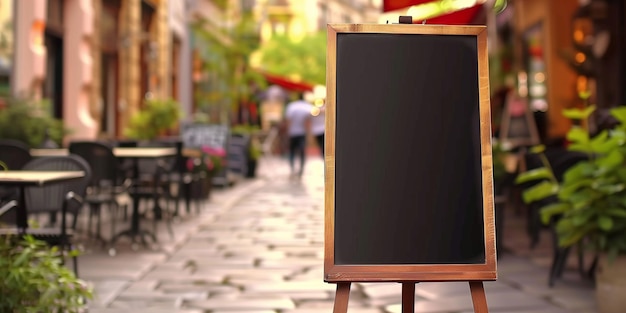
point(254, 154)
point(154, 120)
point(35, 280)
point(589, 207)
point(253, 149)
point(206, 165)
point(30, 122)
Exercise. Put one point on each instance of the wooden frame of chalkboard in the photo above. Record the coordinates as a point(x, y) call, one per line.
point(374, 73)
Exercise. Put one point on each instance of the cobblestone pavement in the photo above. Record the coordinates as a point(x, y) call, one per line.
point(257, 247)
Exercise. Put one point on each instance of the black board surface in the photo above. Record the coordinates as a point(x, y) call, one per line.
point(408, 180)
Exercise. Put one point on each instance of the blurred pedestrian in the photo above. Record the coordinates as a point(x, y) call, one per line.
point(298, 118)
point(318, 125)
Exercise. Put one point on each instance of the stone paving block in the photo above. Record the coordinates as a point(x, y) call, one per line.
point(542, 310)
point(243, 272)
point(106, 291)
point(456, 303)
point(435, 290)
point(145, 310)
point(183, 287)
point(266, 302)
point(290, 263)
point(286, 287)
point(327, 305)
point(204, 262)
point(381, 290)
point(325, 310)
point(143, 285)
point(146, 305)
point(575, 300)
point(153, 295)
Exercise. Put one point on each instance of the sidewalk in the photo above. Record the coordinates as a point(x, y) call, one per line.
point(258, 248)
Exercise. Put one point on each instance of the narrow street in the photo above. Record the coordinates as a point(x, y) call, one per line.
point(258, 247)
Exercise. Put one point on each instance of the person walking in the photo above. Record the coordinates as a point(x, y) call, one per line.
point(318, 124)
point(298, 117)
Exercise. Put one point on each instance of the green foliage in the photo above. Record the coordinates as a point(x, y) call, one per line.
point(498, 155)
point(304, 58)
point(254, 150)
point(591, 199)
point(225, 52)
point(28, 121)
point(157, 117)
point(35, 280)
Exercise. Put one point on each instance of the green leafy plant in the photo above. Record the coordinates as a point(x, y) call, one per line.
point(591, 198)
point(254, 150)
point(35, 280)
point(30, 121)
point(157, 117)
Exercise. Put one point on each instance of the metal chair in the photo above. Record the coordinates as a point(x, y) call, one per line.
point(14, 155)
point(59, 198)
point(106, 185)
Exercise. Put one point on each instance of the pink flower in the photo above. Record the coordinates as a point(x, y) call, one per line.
point(190, 164)
point(214, 151)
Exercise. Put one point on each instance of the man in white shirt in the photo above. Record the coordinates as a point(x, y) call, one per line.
point(318, 126)
point(298, 116)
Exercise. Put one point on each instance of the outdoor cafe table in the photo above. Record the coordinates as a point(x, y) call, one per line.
point(187, 152)
point(135, 154)
point(23, 179)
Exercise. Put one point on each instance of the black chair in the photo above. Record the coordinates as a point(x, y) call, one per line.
point(106, 186)
point(559, 166)
point(64, 198)
point(14, 155)
point(560, 161)
point(180, 176)
point(153, 184)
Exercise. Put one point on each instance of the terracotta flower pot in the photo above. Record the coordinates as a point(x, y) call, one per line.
point(611, 285)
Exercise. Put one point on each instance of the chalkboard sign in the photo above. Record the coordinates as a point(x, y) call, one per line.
point(408, 165)
point(199, 135)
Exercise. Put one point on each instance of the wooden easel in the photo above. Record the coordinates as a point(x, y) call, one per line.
point(408, 297)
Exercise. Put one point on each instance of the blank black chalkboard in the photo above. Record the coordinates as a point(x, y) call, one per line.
point(409, 186)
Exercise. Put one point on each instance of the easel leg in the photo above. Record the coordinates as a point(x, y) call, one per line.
point(478, 297)
point(341, 298)
point(408, 297)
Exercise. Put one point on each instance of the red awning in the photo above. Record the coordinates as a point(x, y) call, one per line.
point(287, 83)
point(461, 17)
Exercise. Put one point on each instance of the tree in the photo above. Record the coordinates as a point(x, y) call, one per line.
point(228, 79)
point(303, 59)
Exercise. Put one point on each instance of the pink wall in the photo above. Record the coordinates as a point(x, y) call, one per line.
point(77, 68)
point(30, 52)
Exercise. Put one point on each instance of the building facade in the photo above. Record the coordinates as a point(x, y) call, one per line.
point(96, 61)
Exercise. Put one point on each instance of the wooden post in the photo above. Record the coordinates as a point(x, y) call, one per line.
point(408, 297)
point(478, 297)
point(341, 298)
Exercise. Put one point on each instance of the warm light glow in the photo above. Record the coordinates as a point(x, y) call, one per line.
point(319, 102)
point(315, 111)
point(37, 35)
point(540, 77)
point(582, 84)
point(579, 36)
point(580, 57)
